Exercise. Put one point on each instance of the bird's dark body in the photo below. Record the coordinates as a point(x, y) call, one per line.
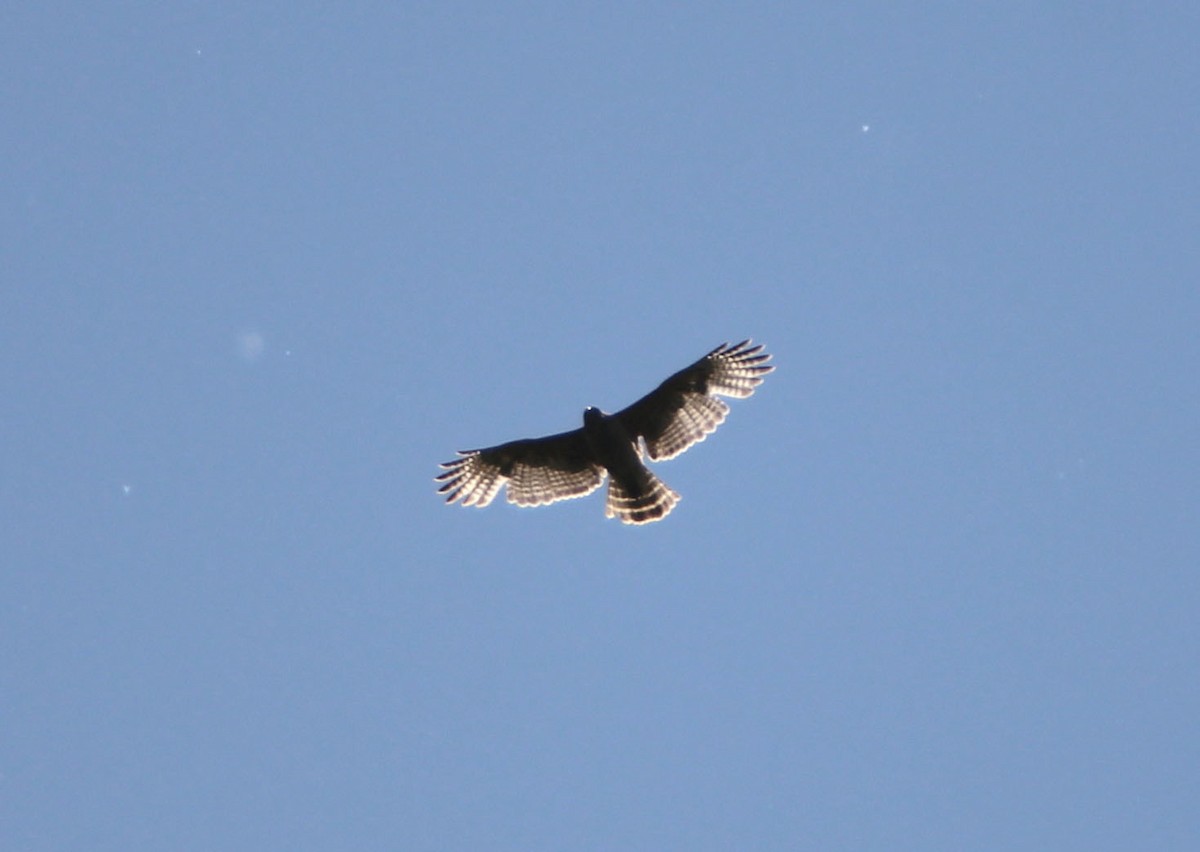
point(635, 493)
point(611, 444)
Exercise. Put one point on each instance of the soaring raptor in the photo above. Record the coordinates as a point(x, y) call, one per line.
point(680, 412)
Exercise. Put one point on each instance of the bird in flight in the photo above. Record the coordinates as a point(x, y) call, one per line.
point(682, 411)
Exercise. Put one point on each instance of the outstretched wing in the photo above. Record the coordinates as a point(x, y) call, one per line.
point(685, 409)
point(538, 471)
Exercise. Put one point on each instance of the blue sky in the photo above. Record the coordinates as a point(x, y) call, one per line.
point(933, 587)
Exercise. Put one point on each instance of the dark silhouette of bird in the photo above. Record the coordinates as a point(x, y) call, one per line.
point(680, 412)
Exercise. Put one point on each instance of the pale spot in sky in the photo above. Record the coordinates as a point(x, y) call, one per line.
point(866, 128)
point(250, 345)
point(127, 489)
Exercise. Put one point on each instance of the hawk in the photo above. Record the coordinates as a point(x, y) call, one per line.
point(682, 411)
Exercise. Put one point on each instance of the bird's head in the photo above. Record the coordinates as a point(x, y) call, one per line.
point(592, 414)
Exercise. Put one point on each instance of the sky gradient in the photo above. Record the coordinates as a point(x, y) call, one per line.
point(934, 586)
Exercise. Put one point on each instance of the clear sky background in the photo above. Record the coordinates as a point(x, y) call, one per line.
point(933, 587)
